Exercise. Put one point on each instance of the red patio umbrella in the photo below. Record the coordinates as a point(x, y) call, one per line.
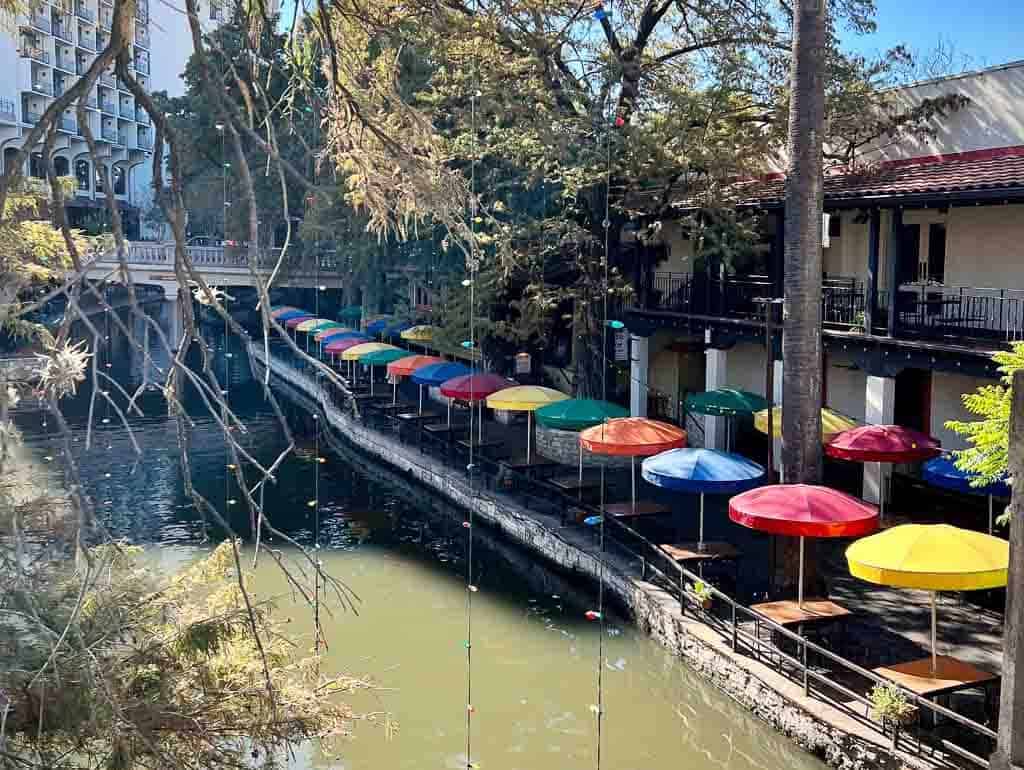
point(883, 444)
point(474, 389)
point(803, 510)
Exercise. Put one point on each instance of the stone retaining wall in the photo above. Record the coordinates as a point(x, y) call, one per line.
point(780, 704)
point(563, 446)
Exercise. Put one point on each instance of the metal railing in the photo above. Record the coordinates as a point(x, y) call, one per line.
point(142, 13)
point(31, 117)
point(127, 111)
point(87, 41)
point(107, 20)
point(8, 111)
point(109, 133)
point(69, 124)
point(141, 37)
point(91, 103)
point(84, 13)
point(142, 65)
point(821, 672)
point(107, 108)
point(107, 78)
point(40, 22)
point(145, 143)
point(65, 63)
point(36, 54)
point(42, 87)
point(61, 32)
point(141, 116)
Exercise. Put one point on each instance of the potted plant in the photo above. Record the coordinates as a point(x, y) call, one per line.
point(859, 322)
point(701, 593)
point(890, 706)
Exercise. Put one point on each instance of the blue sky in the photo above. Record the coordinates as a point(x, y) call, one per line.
point(981, 33)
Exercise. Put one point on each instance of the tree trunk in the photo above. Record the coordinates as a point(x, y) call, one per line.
point(801, 342)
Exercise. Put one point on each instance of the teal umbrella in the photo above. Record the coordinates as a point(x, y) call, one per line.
point(381, 358)
point(725, 402)
point(578, 413)
point(351, 313)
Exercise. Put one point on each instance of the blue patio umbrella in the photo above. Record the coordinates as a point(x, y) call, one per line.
point(435, 375)
point(397, 328)
point(342, 334)
point(378, 326)
point(942, 472)
point(702, 471)
point(290, 314)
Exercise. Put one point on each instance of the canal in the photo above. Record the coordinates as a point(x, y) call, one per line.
point(402, 551)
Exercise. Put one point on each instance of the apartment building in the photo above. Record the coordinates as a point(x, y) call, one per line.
point(923, 277)
point(47, 49)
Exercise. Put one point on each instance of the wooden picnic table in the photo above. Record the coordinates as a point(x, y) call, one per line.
point(639, 509)
point(950, 675)
point(388, 408)
point(574, 483)
point(360, 397)
point(788, 613)
point(417, 417)
point(445, 430)
point(526, 465)
point(712, 550)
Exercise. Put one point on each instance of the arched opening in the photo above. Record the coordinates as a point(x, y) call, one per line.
point(61, 166)
point(119, 180)
point(10, 153)
point(82, 175)
point(35, 166)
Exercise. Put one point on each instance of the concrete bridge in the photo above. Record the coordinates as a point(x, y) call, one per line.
point(153, 264)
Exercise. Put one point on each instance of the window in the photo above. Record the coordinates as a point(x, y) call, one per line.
point(835, 223)
point(909, 254)
point(937, 253)
point(99, 180)
point(119, 185)
point(61, 166)
point(10, 153)
point(82, 175)
point(35, 166)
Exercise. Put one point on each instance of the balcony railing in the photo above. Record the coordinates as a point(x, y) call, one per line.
point(61, 32)
point(107, 79)
point(122, 140)
point(42, 87)
point(141, 116)
point(7, 111)
point(82, 66)
point(928, 312)
point(36, 54)
point(142, 65)
point(86, 41)
point(84, 13)
point(69, 124)
point(40, 23)
point(127, 111)
point(142, 13)
point(91, 103)
point(145, 143)
point(30, 117)
point(59, 88)
point(106, 19)
point(65, 63)
point(107, 108)
point(109, 133)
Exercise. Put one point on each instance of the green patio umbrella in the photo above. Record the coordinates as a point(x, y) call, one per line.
point(725, 402)
point(578, 414)
point(351, 313)
point(382, 358)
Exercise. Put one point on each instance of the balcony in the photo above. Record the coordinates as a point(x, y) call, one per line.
point(108, 133)
point(86, 40)
point(141, 37)
point(82, 66)
point(928, 312)
point(106, 19)
point(65, 63)
point(142, 13)
point(62, 32)
point(142, 65)
point(59, 88)
point(42, 87)
point(7, 111)
point(145, 143)
point(30, 117)
point(107, 79)
point(107, 108)
point(36, 54)
point(91, 103)
point(122, 140)
point(84, 13)
point(141, 116)
point(127, 111)
point(40, 22)
point(67, 124)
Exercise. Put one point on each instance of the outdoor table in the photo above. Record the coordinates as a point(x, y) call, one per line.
point(480, 446)
point(361, 397)
point(816, 613)
point(388, 408)
point(639, 509)
point(528, 465)
point(950, 676)
point(570, 484)
point(692, 553)
point(444, 432)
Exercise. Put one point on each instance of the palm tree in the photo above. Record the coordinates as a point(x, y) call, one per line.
point(801, 342)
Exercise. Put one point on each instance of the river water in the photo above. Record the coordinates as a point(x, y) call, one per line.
point(535, 656)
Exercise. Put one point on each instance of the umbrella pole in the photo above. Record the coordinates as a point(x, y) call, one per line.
point(700, 535)
point(632, 480)
point(480, 423)
point(800, 579)
point(580, 489)
point(529, 434)
point(371, 380)
point(935, 656)
point(449, 413)
point(421, 399)
point(990, 520)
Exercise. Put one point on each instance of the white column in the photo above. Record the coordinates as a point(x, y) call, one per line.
point(639, 361)
point(715, 376)
point(879, 409)
point(777, 401)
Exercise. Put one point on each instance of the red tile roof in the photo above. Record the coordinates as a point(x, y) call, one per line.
point(965, 172)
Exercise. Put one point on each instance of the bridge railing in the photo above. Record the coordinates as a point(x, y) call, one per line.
point(221, 257)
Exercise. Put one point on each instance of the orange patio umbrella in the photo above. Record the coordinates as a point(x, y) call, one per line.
point(404, 367)
point(632, 437)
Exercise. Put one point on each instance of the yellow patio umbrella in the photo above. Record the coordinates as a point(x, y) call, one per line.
point(933, 557)
point(831, 422)
point(353, 353)
point(525, 398)
point(312, 323)
point(422, 334)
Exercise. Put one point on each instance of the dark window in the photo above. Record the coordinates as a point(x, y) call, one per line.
point(909, 253)
point(10, 154)
point(35, 166)
point(61, 166)
point(99, 180)
point(937, 253)
point(119, 185)
point(82, 175)
point(835, 223)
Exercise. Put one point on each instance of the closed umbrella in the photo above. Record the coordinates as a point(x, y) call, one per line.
point(435, 375)
point(942, 472)
point(525, 398)
point(702, 471)
point(933, 557)
point(405, 367)
point(882, 444)
point(803, 510)
point(831, 422)
point(632, 437)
